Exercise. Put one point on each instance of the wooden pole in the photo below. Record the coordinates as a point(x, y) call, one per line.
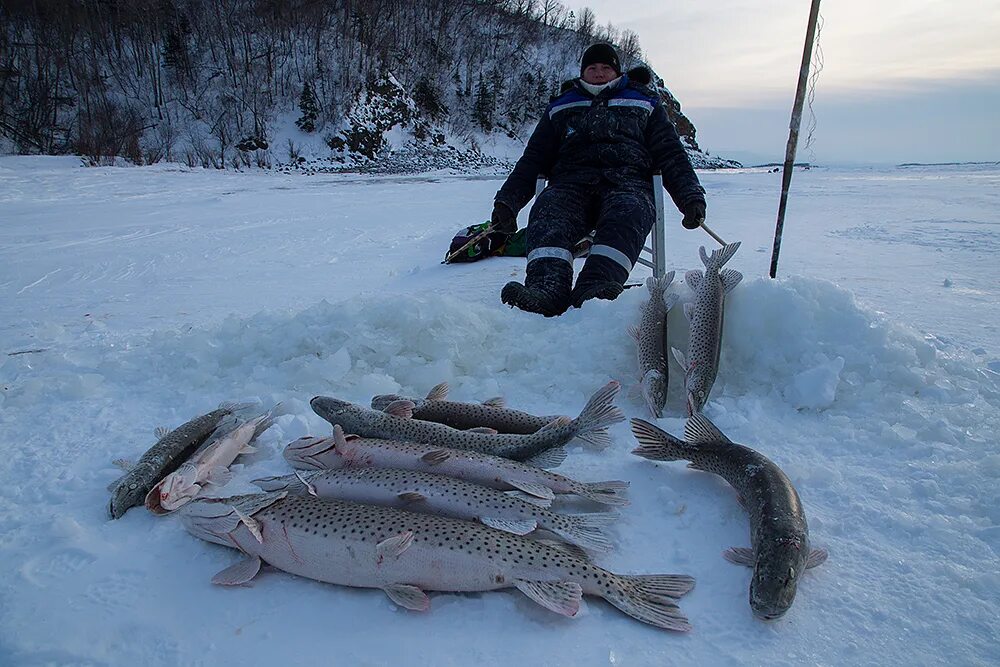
point(793, 133)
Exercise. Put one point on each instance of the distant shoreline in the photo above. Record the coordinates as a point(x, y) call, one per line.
point(946, 164)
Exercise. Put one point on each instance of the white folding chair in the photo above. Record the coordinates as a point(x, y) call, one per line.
point(657, 248)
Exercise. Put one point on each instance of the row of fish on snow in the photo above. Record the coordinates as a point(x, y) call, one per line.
point(415, 495)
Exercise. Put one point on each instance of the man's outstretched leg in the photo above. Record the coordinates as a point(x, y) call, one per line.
point(554, 226)
point(626, 216)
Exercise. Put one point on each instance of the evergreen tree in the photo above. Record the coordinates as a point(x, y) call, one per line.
point(482, 111)
point(309, 109)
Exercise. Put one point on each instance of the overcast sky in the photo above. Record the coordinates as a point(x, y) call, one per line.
point(902, 81)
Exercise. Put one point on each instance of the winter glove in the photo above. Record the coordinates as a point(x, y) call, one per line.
point(503, 219)
point(694, 215)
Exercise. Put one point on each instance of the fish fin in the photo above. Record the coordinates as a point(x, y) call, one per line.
point(550, 458)
point(562, 597)
point(438, 392)
point(692, 279)
point(518, 527)
point(730, 279)
point(558, 422)
point(633, 333)
point(666, 585)
point(600, 411)
point(636, 597)
point(606, 493)
point(341, 447)
point(570, 550)
point(679, 358)
point(704, 255)
point(219, 476)
point(251, 523)
point(248, 449)
point(161, 431)
point(531, 500)
point(310, 488)
point(238, 574)
point(436, 456)
point(599, 438)
point(482, 429)
point(532, 488)
point(124, 464)
point(495, 402)
point(402, 409)
point(724, 254)
point(579, 530)
point(656, 444)
point(670, 300)
point(739, 556)
point(408, 597)
point(394, 546)
point(411, 497)
point(699, 431)
point(279, 483)
point(689, 311)
point(816, 557)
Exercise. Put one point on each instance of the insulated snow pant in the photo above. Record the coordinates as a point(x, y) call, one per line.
point(620, 215)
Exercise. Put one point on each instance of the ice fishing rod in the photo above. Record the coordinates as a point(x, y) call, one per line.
point(712, 234)
point(474, 240)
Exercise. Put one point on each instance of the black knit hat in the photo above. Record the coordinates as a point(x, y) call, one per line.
point(601, 53)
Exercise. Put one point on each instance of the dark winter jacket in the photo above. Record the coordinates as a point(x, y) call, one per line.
point(620, 136)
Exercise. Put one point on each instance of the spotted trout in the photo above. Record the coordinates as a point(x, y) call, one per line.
point(436, 494)
point(397, 423)
point(705, 315)
point(650, 338)
point(492, 413)
point(406, 554)
point(779, 536)
point(311, 453)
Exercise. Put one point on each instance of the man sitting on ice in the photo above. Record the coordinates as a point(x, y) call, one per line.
point(598, 144)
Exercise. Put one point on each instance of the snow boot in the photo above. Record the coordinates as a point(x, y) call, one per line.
point(601, 278)
point(546, 288)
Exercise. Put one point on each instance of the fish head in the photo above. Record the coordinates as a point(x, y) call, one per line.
point(175, 489)
point(779, 563)
point(301, 453)
point(382, 401)
point(127, 494)
point(179, 496)
point(213, 519)
point(654, 390)
point(696, 385)
point(337, 411)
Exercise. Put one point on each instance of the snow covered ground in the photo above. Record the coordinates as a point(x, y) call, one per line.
point(133, 298)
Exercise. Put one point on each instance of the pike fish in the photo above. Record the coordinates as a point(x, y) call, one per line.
point(169, 452)
point(407, 553)
point(310, 453)
point(492, 413)
point(446, 496)
point(397, 423)
point(208, 465)
point(650, 340)
point(779, 536)
point(705, 314)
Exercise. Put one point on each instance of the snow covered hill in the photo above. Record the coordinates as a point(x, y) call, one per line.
point(132, 298)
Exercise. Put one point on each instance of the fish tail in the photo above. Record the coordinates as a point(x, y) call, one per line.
point(606, 493)
point(651, 598)
point(599, 413)
point(585, 530)
point(658, 445)
point(599, 438)
point(720, 256)
point(657, 286)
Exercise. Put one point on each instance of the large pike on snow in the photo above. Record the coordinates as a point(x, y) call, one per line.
point(492, 413)
point(650, 341)
point(779, 535)
point(311, 453)
point(397, 423)
point(406, 553)
point(172, 449)
point(705, 314)
point(445, 496)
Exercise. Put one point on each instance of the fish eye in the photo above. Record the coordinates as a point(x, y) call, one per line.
point(701, 394)
point(133, 486)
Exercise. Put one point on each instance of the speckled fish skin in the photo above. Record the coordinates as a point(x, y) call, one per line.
point(705, 314)
point(163, 458)
point(436, 494)
point(779, 535)
point(464, 415)
point(650, 340)
point(311, 453)
point(406, 553)
point(599, 413)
